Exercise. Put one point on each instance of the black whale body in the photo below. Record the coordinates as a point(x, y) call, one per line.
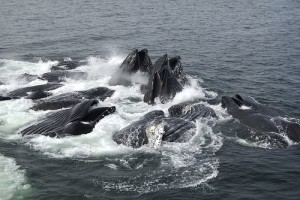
point(134, 62)
point(191, 111)
point(61, 75)
point(80, 119)
point(154, 127)
point(166, 80)
point(261, 118)
point(32, 92)
point(72, 98)
point(66, 65)
point(27, 77)
point(137, 61)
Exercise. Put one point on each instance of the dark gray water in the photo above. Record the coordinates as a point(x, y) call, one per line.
point(246, 47)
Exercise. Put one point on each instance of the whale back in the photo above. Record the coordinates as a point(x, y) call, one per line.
point(66, 65)
point(263, 109)
point(39, 94)
point(259, 117)
point(71, 98)
point(22, 92)
point(61, 75)
point(136, 134)
point(177, 129)
point(191, 111)
point(99, 93)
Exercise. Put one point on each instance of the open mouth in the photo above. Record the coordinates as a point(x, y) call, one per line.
point(144, 60)
point(175, 65)
point(237, 101)
point(142, 56)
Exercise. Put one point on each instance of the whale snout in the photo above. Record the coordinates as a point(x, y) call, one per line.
point(232, 102)
point(112, 109)
point(225, 101)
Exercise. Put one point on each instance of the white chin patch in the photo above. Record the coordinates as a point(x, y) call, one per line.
point(245, 107)
point(154, 134)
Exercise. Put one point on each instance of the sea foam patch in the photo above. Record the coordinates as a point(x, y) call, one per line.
point(12, 179)
point(12, 68)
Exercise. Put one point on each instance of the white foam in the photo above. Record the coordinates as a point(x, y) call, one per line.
point(184, 163)
point(12, 179)
point(191, 92)
point(11, 68)
point(243, 107)
point(99, 71)
point(99, 68)
point(181, 164)
point(15, 114)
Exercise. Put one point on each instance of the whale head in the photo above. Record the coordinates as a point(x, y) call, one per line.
point(80, 119)
point(234, 102)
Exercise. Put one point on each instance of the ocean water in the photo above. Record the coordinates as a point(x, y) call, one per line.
point(227, 47)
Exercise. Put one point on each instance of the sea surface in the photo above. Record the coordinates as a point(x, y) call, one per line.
point(226, 47)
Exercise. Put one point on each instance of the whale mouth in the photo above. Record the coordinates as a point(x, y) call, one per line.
point(231, 101)
point(142, 55)
point(225, 101)
point(96, 113)
point(237, 101)
point(77, 120)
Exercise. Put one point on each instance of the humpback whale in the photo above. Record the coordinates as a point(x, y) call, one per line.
point(191, 110)
point(177, 69)
point(135, 61)
point(261, 118)
point(66, 65)
point(166, 79)
point(60, 75)
point(137, 134)
point(80, 119)
point(27, 77)
point(154, 127)
point(39, 94)
point(71, 98)
point(31, 92)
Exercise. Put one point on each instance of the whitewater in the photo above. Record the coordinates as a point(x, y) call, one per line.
point(179, 165)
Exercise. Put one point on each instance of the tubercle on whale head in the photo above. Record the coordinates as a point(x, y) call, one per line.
point(95, 114)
